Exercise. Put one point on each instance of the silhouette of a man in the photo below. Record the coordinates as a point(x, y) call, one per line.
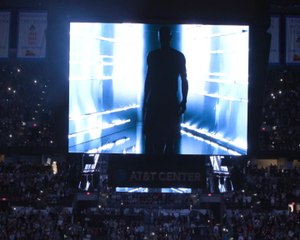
point(164, 99)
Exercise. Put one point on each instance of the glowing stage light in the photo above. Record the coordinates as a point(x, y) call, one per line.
point(140, 189)
point(121, 141)
point(98, 129)
point(116, 110)
point(106, 146)
point(131, 190)
point(109, 145)
point(92, 167)
point(216, 140)
point(115, 123)
point(219, 96)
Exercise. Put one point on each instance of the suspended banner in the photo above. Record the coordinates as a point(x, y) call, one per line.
point(274, 30)
point(4, 36)
point(292, 40)
point(32, 35)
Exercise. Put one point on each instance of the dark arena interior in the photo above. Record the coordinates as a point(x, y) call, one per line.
point(149, 120)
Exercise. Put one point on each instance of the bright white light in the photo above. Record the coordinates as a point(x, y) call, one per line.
point(96, 130)
point(84, 67)
point(121, 141)
point(54, 167)
point(78, 117)
point(196, 45)
point(217, 69)
point(129, 61)
point(106, 147)
point(115, 123)
point(240, 143)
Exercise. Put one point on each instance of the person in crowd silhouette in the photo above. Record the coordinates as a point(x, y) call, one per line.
point(164, 97)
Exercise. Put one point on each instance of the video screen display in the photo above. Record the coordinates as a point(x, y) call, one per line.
point(158, 88)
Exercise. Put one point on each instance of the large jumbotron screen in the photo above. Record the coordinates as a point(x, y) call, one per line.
point(107, 73)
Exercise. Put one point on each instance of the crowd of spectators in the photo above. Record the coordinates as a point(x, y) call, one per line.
point(188, 225)
point(250, 224)
point(265, 207)
point(280, 127)
point(271, 188)
point(154, 199)
point(138, 222)
point(31, 223)
point(26, 116)
point(112, 223)
point(33, 184)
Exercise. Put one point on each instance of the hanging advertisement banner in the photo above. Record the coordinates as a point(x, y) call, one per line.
point(292, 40)
point(4, 36)
point(274, 30)
point(32, 35)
